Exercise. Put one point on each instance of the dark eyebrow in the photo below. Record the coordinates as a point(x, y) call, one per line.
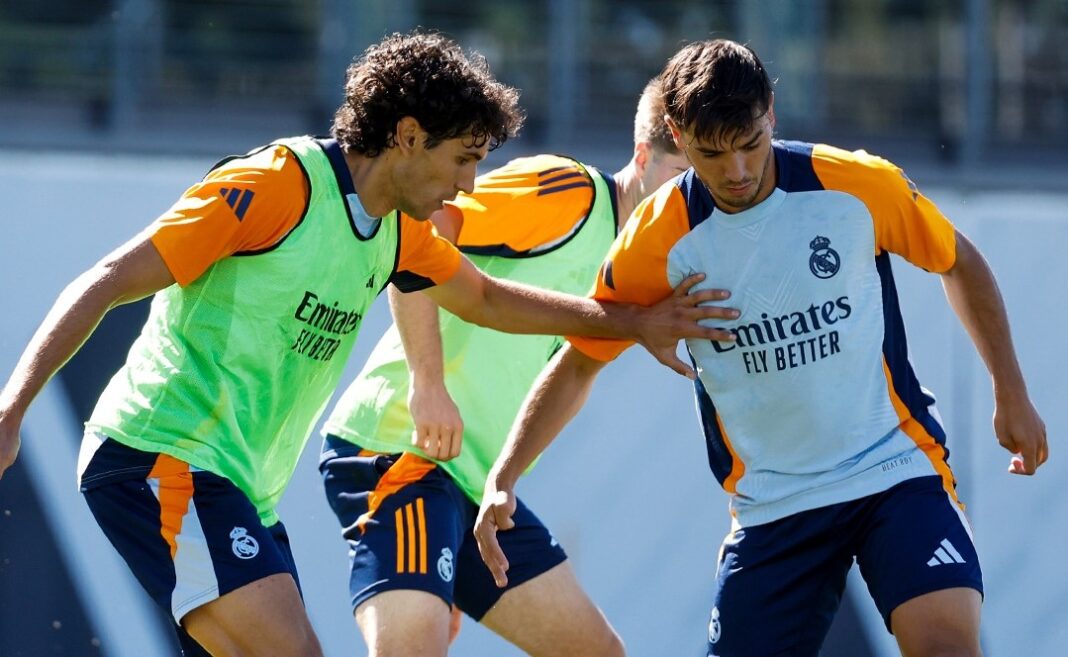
point(706, 151)
point(475, 154)
point(754, 140)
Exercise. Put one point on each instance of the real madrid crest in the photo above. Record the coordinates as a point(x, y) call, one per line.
point(445, 566)
point(244, 546)
point(824, 261)
point(714, 626)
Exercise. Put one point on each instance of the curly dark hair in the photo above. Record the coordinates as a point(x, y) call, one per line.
point(716, 88)
point(428, 77)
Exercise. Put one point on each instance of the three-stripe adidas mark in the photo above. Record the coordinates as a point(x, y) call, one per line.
point(411, 538)
point(946, 554)
point(237, 199)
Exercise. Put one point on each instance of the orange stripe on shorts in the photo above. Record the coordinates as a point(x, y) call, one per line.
point(408, 469)
point(175, 491)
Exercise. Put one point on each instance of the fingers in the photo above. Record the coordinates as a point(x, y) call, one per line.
point(1017, 466)
point(427, 438)
point(708, 333)
point(683, 288)
point(1026, 461)
point(713, 312)
point(488, 545)
point(671, 360)
point(439, 442)
point(502, 510)
point(704, 296)
point(456, 443)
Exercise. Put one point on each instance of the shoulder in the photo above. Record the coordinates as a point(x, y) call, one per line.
point(665, 217)
point(858, 171)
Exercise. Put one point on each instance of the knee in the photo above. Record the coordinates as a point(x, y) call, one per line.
point(617, 649)
point(612, 646)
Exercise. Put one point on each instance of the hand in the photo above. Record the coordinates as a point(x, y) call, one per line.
point(9, 441)
point(1021, 431)
point(495, 513)
point(677, 317)
point(439, 429)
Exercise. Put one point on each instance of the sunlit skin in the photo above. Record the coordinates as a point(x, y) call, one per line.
point(410, 177)
point(431, 176)
point(737, 169)
point(660, 168)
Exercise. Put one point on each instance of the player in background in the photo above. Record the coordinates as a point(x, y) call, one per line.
point(404, 467)
point(262, 273)
point(814, 420)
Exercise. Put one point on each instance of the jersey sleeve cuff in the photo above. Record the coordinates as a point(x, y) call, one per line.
point(600, 349)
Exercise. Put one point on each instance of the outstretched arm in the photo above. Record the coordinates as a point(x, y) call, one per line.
point(516, 308)
point(973, 293)
point(557, 395)
point(133, 271)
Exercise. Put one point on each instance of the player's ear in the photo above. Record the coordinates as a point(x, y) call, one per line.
point(641, 157)
point(676, 133)
point(408, 133)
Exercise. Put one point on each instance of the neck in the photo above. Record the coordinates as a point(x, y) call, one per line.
point(629, 192)
point(370, 177)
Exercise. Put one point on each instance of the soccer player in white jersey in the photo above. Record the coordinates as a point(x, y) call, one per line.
point(814, 420)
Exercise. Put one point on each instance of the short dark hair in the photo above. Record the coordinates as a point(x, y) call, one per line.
point(716, 89)
point(428, 77)
point(649, 124)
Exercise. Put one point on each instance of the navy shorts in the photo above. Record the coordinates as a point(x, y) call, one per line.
point(409, 526)
point(188, 535)
point(779, 584)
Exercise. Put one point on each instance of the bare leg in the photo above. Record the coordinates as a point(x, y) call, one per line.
point(265, 618)
point(939, 624)
point(551, 616)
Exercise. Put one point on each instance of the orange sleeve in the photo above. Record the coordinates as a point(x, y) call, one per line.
point(247, 204)
point(636, 269)
point(528, 203)
point(426, 258)
point(906, 222)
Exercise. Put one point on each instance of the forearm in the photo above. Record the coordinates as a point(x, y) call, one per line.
point(416, 316)
point(515, 308)
point(132, 272)
point(68, 324)
point(556, 397)
point(973, 293)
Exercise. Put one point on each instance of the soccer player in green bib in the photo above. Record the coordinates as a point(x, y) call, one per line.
point(262, 273)
point(404, 467)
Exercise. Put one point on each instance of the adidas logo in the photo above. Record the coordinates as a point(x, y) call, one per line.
point(237, 199)
point(945, 554)
point(371, 282)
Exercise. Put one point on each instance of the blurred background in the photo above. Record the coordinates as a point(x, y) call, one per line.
point(110, 109)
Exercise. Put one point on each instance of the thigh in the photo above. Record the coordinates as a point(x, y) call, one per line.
point(946, 620)
point(264, 617)
point(403, 519)
point(778, 585)
point(531, 551)
point(550, 614)
point(405, 623)
point(188, 537)
point(917, 542)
